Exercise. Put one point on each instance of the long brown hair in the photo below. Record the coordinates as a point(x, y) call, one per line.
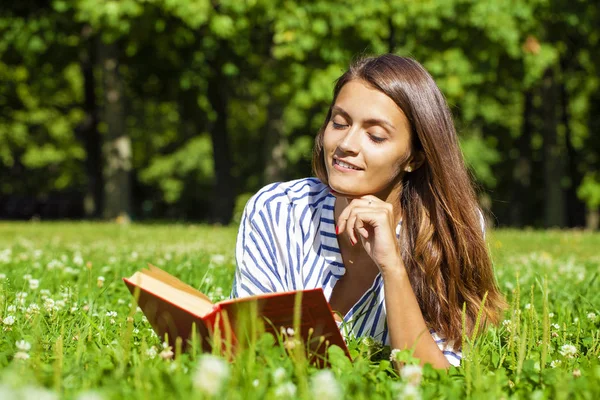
point(442, 241)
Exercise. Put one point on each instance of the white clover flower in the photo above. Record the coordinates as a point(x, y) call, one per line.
point(2, 276)
point(27, 277)
point(528, 306)
point(120, 301)
point(555, 326)
point(21, 355)
point(211, 374)
point(60, 304)
point(167, 353)
point(555, 363)
point(54, 264)
point(394, 354)
point(255, 383)
point(324, 385)
point(23, 345)
point(568, 351)
point(412, 374)
point(48, 304)
point(11, 309)
point(592, 317)
point(279, 375)
point(77, 259)
point(34, 284)
point(217, 259)
point(33, 309)
point(551, 315)
point(9, 320)
point(286, 390)
point(576, 320)
point(410, 392)
point(45, 292)
point(151, 352)
point(21, 296)
point(100, 281)
point(290, 331)
point(71, 271)
point(111, 314)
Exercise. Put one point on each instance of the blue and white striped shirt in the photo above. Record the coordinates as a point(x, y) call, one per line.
point(287, 241)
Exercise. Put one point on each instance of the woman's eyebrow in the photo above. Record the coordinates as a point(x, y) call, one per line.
point(370, 121)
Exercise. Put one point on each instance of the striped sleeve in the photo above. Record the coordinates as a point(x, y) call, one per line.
point(257, 251)
point(452, 355)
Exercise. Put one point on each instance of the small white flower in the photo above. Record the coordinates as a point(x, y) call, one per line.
point(211, 374)
point(555, 326)
point(551, 315)
point(576, 320)
point(33, 309)
point(34, 284)
point(27, 277)
point(412, 374)
point(279, 375)
point(555, 363)
point(286, 390)
point(21, 355)
point(410, 392)
point(9, 320)
point(23, 345)
point(45, 292)
point(527, 306)
point(592, 317)
point(217, 259)
point(167, 353)
point(568, 351)
point(151, 352)
point(394, 354)
point(255, 383)
point(77, 259)
point(49, 305)
point(290, 331)
point(21, 297)
point(12, 308)
point(324, 385)
point(2, 277)
point(100, 281)
point(111, 314)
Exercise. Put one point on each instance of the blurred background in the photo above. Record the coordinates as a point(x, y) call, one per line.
point(181, 109)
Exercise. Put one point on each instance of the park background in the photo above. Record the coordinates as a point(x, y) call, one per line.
point(181, 109)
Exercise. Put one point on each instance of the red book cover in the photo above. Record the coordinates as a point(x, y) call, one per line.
point(171, 312)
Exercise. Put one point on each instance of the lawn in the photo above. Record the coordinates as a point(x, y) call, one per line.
point(70, 330)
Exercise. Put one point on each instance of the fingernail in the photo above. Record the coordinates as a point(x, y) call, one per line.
point(333, 192)
point(352, 242)
point(337, 230)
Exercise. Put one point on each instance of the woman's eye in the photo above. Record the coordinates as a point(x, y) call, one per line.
point(338, 126)
point(376, 139)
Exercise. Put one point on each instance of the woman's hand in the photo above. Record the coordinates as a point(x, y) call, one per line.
point(372, 221)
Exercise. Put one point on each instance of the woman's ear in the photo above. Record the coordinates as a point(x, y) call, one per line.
point(417, 159)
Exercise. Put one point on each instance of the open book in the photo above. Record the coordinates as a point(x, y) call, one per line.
point(175, 308)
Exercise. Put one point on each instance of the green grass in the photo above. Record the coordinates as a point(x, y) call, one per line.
point(83, 345)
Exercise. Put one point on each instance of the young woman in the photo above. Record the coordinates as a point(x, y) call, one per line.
point(390, 229)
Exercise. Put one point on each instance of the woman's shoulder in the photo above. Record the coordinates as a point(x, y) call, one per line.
point(297, 192)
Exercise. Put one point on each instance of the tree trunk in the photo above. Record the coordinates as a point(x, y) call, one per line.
point(87, 131)
point(224, 193)
point(276, 144)
point(575, 208)
point(554, 207)
point(117, 145)
point(521, 195)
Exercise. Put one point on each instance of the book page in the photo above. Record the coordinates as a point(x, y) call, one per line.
point(169, 279)
point(190, 300)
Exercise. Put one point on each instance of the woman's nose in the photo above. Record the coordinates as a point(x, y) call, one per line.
point(349, 143)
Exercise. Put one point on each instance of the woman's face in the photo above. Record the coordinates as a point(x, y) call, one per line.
point(367, 144)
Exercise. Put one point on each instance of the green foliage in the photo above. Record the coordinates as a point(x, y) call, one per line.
point(589, 191)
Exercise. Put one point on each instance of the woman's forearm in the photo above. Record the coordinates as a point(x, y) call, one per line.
point(406, 325)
